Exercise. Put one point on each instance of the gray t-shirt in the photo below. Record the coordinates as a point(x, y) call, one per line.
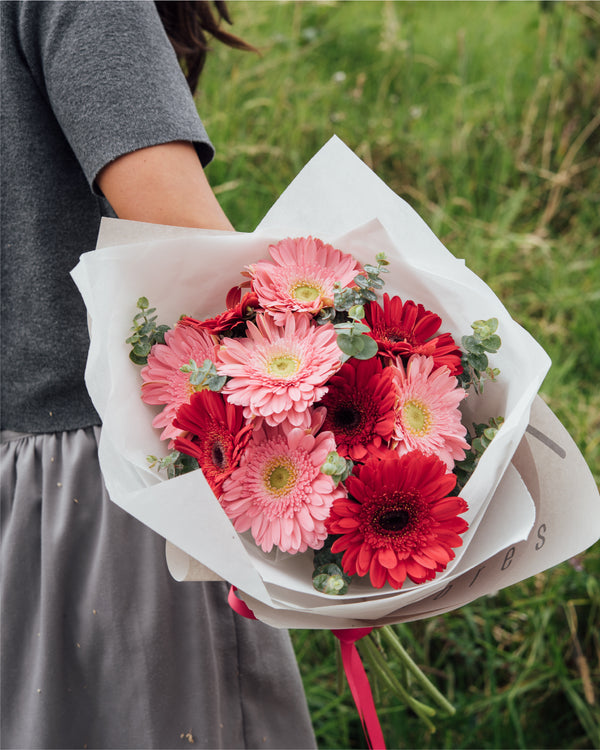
point(82, 83)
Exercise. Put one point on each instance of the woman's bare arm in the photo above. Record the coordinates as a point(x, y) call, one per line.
point(162, 184)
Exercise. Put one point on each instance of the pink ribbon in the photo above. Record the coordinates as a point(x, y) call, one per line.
point(353, 667)
point(359, 685)
point(238, 606)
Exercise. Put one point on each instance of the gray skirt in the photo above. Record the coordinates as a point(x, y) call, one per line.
point(100, 647)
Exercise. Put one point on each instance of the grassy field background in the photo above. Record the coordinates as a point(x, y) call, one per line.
point(483, 116)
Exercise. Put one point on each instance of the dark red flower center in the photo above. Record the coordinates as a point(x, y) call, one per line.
point(218, 455)
point(354, 417)
point(394, 335)
point(394, 520)
point(347, 418)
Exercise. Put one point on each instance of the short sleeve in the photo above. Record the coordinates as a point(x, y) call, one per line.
point(111, 77)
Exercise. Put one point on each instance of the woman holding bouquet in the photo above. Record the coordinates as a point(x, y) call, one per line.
point(100, 648)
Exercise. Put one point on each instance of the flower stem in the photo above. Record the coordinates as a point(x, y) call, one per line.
point(339, 668)
point(392, 639)
point(382, 669)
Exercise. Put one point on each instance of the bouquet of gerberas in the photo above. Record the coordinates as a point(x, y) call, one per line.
point(328, 418)
point(323, 417)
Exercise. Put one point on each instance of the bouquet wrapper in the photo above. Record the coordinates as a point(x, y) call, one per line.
point(533, 502)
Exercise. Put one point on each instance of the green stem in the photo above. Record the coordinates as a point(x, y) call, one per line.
point(339, 668)
point(378, 663)
point(392, 639)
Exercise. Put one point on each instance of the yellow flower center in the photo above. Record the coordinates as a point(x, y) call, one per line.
point(283, 366)
point(305, 291)
point(416, 417)
point(280, 476)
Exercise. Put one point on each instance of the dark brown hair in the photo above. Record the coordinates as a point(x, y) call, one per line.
point(187, 23)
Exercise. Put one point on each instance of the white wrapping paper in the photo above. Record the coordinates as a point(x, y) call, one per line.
point(532, 500)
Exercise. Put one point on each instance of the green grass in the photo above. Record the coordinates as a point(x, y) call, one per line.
point(483, 116)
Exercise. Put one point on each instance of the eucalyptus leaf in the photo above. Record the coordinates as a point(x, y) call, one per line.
point(369, 349)
point(142, 348)
point(492, 343)
point(334, 464)
point(362, 282)
point(471, 344)
point(369, 295)
point(346, 343)
point(137, 360)
point(216, 383)
point(357, 312)
point(485, 328)
point(330, 579)
point(478, 361)
point(145, 333)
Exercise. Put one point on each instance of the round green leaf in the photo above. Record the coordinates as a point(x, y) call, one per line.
point(138, 360)
point(478, 361)
point(346, 343)
point(492, 343)
point(369, 347)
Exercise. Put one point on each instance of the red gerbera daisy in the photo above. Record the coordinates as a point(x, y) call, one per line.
point(398, 521)
point(235, 317)
point(360, 407)
point(405, 329)
point(217, 435)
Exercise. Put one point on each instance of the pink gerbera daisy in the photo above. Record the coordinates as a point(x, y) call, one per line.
point(360, 403)
point(215, 435)
point(398, 520)
point(279, 491)
point(277, 372)
point(164, 382)
point(302, 277)
point(427, 414)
